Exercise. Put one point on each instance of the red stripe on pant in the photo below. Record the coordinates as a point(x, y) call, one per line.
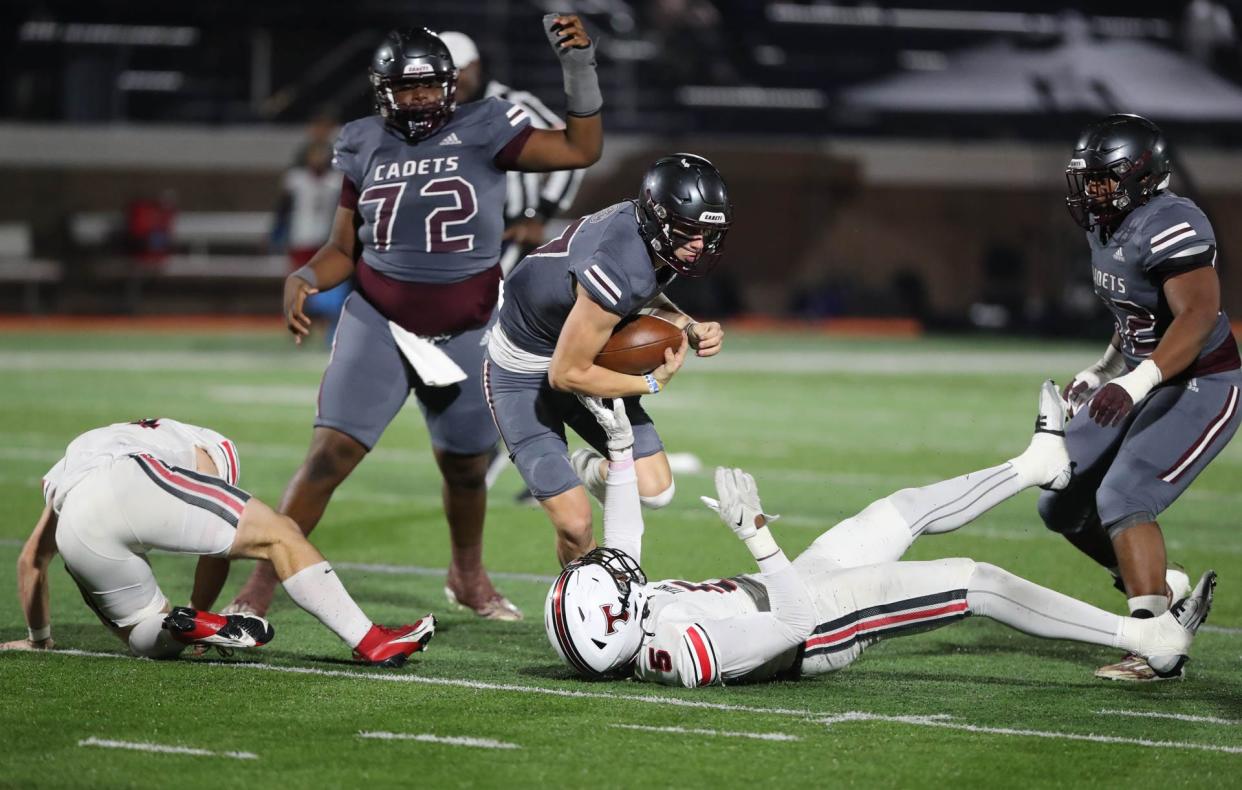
point(863, 626)
point(701, 654)
point(225, 499)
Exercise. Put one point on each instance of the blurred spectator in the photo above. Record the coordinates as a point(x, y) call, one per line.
point(148, 228)
point(304, 220)
point(692, 42)
point(1208, 31)
point(533, 198)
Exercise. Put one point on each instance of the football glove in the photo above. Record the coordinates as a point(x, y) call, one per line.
point(1088, 381)
point(616, 425)
point(738, 504)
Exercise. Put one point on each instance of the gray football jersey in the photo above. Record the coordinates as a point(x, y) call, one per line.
point(603, 253)
point(432, 211)
point(1166, 236)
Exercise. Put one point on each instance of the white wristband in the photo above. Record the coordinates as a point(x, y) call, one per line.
point(761, 544)
point(40, 634)
point(1111, 365)
point(1140, 381)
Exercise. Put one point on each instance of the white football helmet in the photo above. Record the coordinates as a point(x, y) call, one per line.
point(593, 613)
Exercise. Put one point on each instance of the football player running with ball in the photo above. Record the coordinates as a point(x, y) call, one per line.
point(1162, 402)
point(125, 489)
point(424, 189)
point(847, 591)
point(562, 303)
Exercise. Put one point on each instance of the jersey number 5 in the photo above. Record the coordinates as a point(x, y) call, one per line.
point(659, 660)
point(465, 206)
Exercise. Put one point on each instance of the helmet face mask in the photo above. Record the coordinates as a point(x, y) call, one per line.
point(1118, 164)
point(593, 613)
point(414, 60)
point(683, 199)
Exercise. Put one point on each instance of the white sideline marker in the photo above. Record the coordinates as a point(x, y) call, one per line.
point(758, 736)
point(944, 722)
point(932, 720)
point(161, 748)
point(451, 740)
point(1146, 714)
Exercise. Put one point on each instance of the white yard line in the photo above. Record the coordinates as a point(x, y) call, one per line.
point(1147, 714)
point(944, 722)
point(932, 720)
point(161, 748)
point(426, 737)
point(758, 736)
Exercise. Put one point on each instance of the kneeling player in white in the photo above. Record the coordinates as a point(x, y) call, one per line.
point(845, 592)
point(125, 489)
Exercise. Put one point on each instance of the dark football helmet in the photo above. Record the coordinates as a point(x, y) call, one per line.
point(1118, 164)
point(412, 58)
point(684, 196)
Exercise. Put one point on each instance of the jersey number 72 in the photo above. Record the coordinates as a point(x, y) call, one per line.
point(387, 199)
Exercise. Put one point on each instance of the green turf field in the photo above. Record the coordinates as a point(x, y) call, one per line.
point(825, 425)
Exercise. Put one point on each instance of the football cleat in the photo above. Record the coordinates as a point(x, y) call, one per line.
point(1169, 642)
point(392, 647)
point(585, 463)
point(234, 631)
point(497, 607)
point(1047, 448)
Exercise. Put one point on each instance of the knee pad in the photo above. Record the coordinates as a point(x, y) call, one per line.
point(1120, 510)
point(544, 468)
point(661, 499)
point(1064, 513)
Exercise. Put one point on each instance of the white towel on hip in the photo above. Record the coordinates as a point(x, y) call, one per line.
point(431, 364)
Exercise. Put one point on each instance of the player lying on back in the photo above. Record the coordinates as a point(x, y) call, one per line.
point(846, 592)
point(125, 489)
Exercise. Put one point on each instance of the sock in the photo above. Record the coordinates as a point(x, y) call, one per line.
point(1147, 605)
point(996, 593)
point(623, 516)
point(317, 589)
point(149, 639)
point(1032, 464)
point(949, 504)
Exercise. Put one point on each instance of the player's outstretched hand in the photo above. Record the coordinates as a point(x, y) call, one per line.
point(26, 644)
point(738, 503)
point(296, 292)
point(614, 421)
point(1078, 392)
point(705, 337)
point(566, 34)
point(673, 360)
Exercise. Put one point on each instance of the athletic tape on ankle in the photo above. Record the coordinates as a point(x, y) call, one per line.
point(40, 634)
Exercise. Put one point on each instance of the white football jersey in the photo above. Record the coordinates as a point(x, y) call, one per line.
point(686, 643)
point(168, 440)
point(313, 199)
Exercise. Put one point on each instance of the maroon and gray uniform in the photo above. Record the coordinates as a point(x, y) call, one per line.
point(1129, 474)
point(603, 253)
point(430, 217)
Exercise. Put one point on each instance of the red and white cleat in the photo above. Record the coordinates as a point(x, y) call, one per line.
point(223, 631)
point(392, 647)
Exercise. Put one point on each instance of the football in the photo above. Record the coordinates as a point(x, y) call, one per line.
point(637, 345)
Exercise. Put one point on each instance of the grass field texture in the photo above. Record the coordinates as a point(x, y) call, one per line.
point(826, 426)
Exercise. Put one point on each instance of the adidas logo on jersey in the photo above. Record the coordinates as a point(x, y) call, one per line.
point(1119, 255)
point(452, 139)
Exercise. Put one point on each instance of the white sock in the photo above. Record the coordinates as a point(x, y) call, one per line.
point(318, 590)
point(949, 504)
point(1155, 605)
point(996, 593)
point(149, 639)
point(623, 513)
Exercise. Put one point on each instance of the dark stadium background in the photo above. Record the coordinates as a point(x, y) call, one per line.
point(888, 161)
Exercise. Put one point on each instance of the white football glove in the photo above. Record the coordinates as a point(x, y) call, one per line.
point(738, 504)
point(1088, 381)
point(614, 422)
